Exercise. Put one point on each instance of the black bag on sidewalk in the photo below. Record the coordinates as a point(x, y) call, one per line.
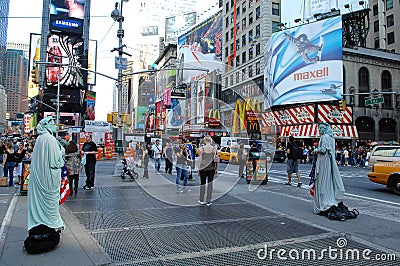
point(346, 212)
point(41, 239)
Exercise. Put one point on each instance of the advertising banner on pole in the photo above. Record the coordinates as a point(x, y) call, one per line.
point(304, 64)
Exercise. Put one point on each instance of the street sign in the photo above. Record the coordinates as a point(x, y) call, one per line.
point(121, 63)
point(374, 101)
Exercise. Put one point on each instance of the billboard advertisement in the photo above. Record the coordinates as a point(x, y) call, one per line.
point(141, 116)
point(177, 24)
point(92, 62)
point(34, 56)
point(304, 64)
point(67, 16)
point(200, 48)
point(90, 105)
point(312, 7)
point(176, 115)
point(68, 51)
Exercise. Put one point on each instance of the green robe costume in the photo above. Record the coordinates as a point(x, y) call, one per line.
point(45, 178)
point(328, 182)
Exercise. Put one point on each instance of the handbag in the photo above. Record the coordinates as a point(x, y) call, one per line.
point(84, 159)
point(3, 181)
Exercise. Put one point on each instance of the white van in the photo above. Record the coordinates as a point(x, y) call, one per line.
point(384, 153)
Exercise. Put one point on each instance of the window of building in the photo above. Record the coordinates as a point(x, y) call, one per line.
point(238, 60)
point(250, 3)
point(258, 68)
point(237, 77)
point(232, 3)
point(376, 25)
point(363, 84)
point(250, 71)
point(244, 40)
point(227, 22)
point(226, 51)
point(275, 26)
point(376, 43)
point(250, 36)
point(251, 53)
point(226, 36)
point(237, 44)
point(231, 33)
point(390, 37)
point(232, 17)
point(231, 48)
point(258, 49)
point(258, 31)
point(243, 57)
point(243, 74)
point(226, 82)
point(251, 18)
point(244, 23)
point(238, 12)
point(258, 12)
point(386, 85)
point(389, 4)
point(237, 27)
point(244, 6)
point(389, 21)
point(375, 10)
point(275, 9)
point(231, 80)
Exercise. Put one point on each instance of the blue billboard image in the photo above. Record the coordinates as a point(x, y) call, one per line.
point(304, 64)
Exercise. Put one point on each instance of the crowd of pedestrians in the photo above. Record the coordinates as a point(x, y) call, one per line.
point(344, 156)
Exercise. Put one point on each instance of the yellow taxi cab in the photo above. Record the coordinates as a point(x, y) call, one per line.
point(386, 173)
point(229, 154)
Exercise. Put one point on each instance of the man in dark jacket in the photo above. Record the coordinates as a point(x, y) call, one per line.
point(89, 149)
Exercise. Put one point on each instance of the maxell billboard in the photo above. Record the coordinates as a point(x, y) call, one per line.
point(304, 64)
point(200, 48)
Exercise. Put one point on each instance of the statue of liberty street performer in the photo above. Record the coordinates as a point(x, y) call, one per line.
point(328, 182)
point(45, 178)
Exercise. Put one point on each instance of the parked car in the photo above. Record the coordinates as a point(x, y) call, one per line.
point(384, 153)
point(386, 173)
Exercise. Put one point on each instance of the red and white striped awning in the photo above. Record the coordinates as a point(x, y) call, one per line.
point(312, 131)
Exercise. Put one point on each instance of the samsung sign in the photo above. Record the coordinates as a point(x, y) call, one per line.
point(66, 23)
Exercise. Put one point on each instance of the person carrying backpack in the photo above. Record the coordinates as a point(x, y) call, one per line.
point(294, 154)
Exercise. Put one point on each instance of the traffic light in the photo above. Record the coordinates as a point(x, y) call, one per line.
point(342, 105)
point(35, 75)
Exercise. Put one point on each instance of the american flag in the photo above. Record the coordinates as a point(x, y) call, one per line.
point(64, 188)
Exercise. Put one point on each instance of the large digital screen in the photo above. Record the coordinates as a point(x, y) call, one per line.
point(200, 49)
point(304, 64)
point(68, 52)
point(67, 16)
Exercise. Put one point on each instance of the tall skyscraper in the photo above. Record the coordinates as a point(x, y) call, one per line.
point(4, 8)
point(384, 31)
point(15, 81)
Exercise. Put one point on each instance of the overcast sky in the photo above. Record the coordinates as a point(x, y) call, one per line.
point(26, 18)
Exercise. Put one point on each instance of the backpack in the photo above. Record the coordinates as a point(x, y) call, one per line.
point(41, 239)
point(297, 152)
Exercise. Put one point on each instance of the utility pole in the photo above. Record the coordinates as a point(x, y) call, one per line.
point(117, 16)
